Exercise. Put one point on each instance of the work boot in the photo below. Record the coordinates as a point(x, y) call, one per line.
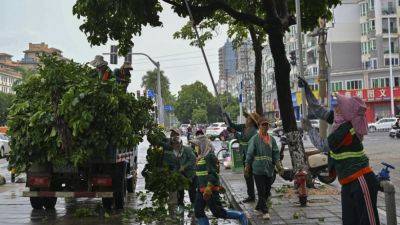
point(203, 221)
point(233, 214)
point(248, 200)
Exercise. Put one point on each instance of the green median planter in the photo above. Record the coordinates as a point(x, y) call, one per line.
point(236, 155)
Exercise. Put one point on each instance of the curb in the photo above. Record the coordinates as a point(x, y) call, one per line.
point(233, 201)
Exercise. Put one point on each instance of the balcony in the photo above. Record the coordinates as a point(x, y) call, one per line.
point(393, 30)
point(388, 10)
point(394, 51)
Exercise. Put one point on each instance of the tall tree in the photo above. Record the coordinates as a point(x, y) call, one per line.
point(149, 81)
point(199, 115)
point(5, 103)
point(120, 20)
point(192, 97)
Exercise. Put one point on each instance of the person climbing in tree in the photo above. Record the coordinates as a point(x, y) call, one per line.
point(347, 158)
point(123, 74)
point(208, 185)
point(243, 133)
point(102, 68)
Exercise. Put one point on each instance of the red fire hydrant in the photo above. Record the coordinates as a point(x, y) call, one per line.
point(300, 179)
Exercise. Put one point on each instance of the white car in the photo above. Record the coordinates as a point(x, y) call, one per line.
point(4, 147)
point(215, 129)
point(382, 124)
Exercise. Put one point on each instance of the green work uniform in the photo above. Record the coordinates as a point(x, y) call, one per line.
point(347, 154)
point(261, 156)
point(243, 136)
point(207, 171)
point(187, 161)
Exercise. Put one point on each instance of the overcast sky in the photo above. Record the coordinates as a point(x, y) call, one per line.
point(51, 21)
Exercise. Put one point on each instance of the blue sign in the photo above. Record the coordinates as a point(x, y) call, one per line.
point(168, 108)
point(240, 98)
point(150, 93)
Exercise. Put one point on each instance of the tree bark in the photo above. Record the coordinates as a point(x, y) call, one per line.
point(282, 77)
point(257, 48)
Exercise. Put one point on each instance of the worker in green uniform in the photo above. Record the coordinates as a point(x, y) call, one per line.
point(262, 157)
point(208, 185)
point(186, 159)
point(347, 158)
point(243, 132)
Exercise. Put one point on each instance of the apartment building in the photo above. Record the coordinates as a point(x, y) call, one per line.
point(34, 51)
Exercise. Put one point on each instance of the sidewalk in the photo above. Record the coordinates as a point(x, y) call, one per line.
point(323, 204)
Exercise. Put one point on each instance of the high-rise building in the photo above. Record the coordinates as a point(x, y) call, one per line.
point(358, 54)
point(227, 67)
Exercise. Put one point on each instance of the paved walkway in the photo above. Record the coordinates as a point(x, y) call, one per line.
point(322, 208)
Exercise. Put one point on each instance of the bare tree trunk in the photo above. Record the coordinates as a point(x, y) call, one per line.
point(257, 48)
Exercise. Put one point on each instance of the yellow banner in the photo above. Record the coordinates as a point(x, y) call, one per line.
point(299, 99)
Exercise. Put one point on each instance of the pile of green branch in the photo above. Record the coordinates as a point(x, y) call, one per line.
point(65, 114)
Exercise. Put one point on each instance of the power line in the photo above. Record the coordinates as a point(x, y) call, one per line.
point(172, 59)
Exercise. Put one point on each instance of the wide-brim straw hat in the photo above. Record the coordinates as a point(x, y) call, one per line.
point(253, 116)
point(98, 61)
point(127, 65)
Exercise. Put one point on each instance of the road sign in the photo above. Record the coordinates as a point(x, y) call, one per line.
point(150, 93)
point(168, 108)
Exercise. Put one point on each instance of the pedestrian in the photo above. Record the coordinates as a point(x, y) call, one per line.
point(262, 157)
point(244, 132)
point(103, 70)
point(189, 132)
point(186, 159)
point(347, 158)
point(208, 185)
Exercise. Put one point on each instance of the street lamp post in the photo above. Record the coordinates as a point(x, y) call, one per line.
point(160, 105)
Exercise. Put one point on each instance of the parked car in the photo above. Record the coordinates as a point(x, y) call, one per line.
point(183, 128)
point(382, 124)
point(215, 129)
point(4, 147)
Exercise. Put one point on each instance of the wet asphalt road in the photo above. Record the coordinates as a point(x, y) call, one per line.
point(15, 209)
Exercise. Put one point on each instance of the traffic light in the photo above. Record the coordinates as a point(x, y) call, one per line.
point(293, 58)
point(128, 57)
point(114, 54)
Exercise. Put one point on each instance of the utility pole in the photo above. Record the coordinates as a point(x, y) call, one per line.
point(323, 72)
point(391, 71)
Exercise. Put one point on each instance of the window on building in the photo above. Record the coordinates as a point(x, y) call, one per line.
point(363, 9)
point(395, 61)
point(337, 86)
point(397, 81)
point(380, 82)
point(372, 44)
point(371, 5)
point(354, 84)
point(373, 63)
point(372, 25)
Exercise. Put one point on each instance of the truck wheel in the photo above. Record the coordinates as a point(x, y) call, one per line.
point(130, 185)
point(119, 199)
point(303, 200)
point(107, 203)
point(50, 202)
point(36, 202)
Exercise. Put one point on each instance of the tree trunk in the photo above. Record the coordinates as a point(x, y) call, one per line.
point(282, 77)
point(257, 48)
